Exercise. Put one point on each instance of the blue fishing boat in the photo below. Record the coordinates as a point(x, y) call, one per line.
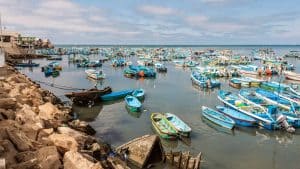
point(116, 95)
point(160, 67)
point(203, 81)
point(274, 86)
point(239, 118)
point(182, 128)
point(235, 83)
point(118, 62)
point(132, 103)
point(264, 118)
point(28, 64)
point(218, 118)
point(139, 94)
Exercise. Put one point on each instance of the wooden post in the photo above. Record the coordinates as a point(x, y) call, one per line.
point(179, 160)
point(194, 161)
point(172, 158)
point(187, 162)
point(198, 160)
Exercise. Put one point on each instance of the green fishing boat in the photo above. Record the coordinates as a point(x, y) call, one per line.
point(163, 127)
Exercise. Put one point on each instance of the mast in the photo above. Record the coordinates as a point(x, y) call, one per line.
point(0, 28)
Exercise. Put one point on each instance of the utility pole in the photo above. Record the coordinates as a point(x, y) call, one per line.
point(0, 28)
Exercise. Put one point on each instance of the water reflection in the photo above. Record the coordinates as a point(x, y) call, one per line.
point(217, 127)
point(134, 114)
point(88, 114)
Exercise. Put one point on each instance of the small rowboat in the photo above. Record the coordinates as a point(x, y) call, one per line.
point(133, 104)
point(139, 94)
point(291, 75)
point(182, 128)
point(27, 64)
point(94, 74)
point(239, 118)
point(116, 95)
point(218, 118)
point(163, 127)
point(235, 83)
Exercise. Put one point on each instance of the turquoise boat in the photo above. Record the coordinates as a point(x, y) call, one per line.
point(274, 86)
point(163, 127)
point(203, 81)
point(239, 118)
point(139, 94)
point(116, 95)
point(182, 128)
point(218, 118)
point(133, 104)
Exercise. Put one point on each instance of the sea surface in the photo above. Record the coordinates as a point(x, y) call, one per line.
point(242, 148)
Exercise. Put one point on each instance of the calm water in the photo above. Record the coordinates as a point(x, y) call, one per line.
point(244, 148)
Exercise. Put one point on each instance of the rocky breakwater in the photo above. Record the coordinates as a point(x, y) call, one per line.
point(36, 131)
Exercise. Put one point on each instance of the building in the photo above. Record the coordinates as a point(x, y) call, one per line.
point(9, 38)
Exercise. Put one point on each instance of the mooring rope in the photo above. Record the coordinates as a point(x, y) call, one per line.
point(59, 86)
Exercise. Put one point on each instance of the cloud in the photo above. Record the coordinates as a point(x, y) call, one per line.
point(156, 10)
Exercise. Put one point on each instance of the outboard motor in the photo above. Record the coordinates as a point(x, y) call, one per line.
point(281, 120)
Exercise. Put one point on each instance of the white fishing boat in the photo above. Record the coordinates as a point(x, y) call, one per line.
point(95, 74)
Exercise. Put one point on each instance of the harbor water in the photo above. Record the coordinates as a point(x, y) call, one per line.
point(242, 148)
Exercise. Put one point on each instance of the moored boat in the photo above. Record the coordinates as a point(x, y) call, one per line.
point(116, 95)
point(163, 127)
point(239, 118)
point(218, 118)
point(203, 81)
point(139, 94)
point(182, 128)
point(291, 75)
point(95, 74)
point(235, 83)
point(160, 67)
point(132, 103)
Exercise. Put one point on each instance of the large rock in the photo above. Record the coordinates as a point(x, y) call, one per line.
point(79, 136)
point(8, 103)
point(48, 158)
point(27, 116)
point(82, 126)
point(8, 114)
point(74, 160)
point(8, 152)
point(19, 139)
point(48, 111)
point(64, 142)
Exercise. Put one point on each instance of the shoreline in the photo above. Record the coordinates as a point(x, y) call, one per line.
point(37, 130)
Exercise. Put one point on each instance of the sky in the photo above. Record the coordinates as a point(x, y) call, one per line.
point(162, 22)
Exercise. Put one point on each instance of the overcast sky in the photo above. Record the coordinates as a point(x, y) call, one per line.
point(156, 21)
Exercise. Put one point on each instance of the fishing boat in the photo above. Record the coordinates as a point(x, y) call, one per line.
point(277, 100)
point(90, 64)
point(218, 118)
point(274, 86)
point(87, 96)
point(203, 81)
point(139, 94)
point(54, 58)
point(116, 95)
point(55, 66)
point(29, 64)
point(291, 75)
point(254, 82)
point(160, 67)
point(163, 127)
point(118, 62)
point(235, 83)
point(132, 103)
point(95, 74)
point(182, 128)
point(263, 117)
point(239, 118)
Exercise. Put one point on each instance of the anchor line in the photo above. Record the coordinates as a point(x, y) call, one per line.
point(59, 86)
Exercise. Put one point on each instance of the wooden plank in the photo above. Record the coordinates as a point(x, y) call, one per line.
point(179, 161)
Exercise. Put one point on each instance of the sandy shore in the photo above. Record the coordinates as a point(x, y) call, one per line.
point(37, 131)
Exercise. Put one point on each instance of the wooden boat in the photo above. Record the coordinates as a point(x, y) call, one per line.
point(235, 83)
point(95, 74)
point(139, 94)
point(218, 118)
point(239, 118)
point(55, 65)
point(274, 86)
point(84, 97)
point(182, 128)
point(27, 64)
point(291, 75)
point(264, 118)
point(203, 81)
point(277, 100)
point(54, 58)
point(90, 64)
point(163, 127)
point(132, 103)
point(116, 95)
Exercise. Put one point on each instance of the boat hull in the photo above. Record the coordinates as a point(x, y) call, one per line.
point(216, 120)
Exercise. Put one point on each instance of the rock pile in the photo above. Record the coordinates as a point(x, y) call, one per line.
point(36, 131)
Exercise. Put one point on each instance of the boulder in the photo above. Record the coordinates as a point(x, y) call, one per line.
point(79, 136)
point(48, 111)
point(64, 142)
point(19, 139)
point(44, 133)
point(27, 116)
point(30, 164)
point(82, 126)
point(74, 160)
point(49, 157)
point(9, 152)
point(8, 103)
point(8, 114)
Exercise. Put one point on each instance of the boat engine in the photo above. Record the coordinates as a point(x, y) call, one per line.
point(281, 120)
